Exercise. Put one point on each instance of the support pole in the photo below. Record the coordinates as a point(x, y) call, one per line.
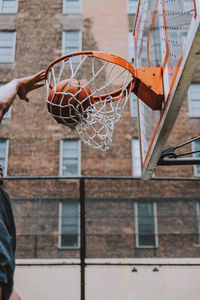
point(82, 237)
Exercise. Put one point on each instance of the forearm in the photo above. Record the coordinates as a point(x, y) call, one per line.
point(8, 93)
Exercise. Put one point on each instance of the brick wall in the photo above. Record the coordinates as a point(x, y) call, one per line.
point(110, 228)
point(34, 146)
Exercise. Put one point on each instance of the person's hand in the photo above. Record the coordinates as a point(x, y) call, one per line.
point(14, 296)
point(27, 84)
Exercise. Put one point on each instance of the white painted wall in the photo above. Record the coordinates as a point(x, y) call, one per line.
point(111, 283)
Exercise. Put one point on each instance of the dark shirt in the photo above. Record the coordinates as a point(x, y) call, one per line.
point(7, 244)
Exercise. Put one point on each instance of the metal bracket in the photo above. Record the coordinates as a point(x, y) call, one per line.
point(170, 158)
point(149, 86)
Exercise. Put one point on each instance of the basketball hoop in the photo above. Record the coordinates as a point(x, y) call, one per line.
point(107, 81)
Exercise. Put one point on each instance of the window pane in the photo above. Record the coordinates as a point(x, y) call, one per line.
point(9, 6)
point(197, 155)
point(6, 47)
point(146, 225)
point(70, 158)
point(72, 43)
point(72, 6)
point(132, 6)
point(69, 226)
point(194, 100)
point(3, 152)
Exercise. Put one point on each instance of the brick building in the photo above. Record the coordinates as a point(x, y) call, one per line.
point(125, 217)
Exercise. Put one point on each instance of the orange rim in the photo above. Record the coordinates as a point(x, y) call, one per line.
point(106, 57)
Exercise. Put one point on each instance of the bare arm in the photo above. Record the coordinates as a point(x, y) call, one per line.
point(21, 87)
point(14, 296)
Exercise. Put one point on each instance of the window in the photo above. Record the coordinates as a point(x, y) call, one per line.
point(8, 114)
point(7, 46)
point(133, 105)
point(194, 100)
point(136, 161)
point(198, 218)
point(8, 6)
point(131, 48)
point(196, 147)
point(4, 155)
point(69, 225)
point(132, 6)
point(70, 154)
point(72, 42)
point(72, 6)
point(146, 225)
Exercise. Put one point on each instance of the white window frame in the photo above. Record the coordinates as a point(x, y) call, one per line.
point(78, 58)
point(193, 113)
point(66, 9)
point(132, 7)
point(13, 48)
point(61, 157)
point(60, 229)
point(6, 155)
point(8, 12)
point(133, 106)
point(131, 47)
point(155, 227)
point(136, 157)
point(196, 173)
point(198, 218)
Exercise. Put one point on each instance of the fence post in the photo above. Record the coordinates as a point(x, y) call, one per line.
point(82, 237)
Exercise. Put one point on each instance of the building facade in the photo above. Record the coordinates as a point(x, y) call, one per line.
point(125, 218)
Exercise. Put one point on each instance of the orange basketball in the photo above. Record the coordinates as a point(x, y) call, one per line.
point(69, 99)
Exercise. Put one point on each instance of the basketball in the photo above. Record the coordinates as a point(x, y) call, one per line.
point(69, 102)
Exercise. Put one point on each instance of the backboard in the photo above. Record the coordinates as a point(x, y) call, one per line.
point(166, 34)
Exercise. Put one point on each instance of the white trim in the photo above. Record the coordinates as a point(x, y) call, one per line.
point(79, 158)
point(155, 218)
point(59, 224)
point(136, 159)
point(60, 228)
point(61, 158)
point(15, 11)
point(5, 155)
point(133, 111)
point(131, 47)
point(64, 10)
point(198, 218)
point(6, 158)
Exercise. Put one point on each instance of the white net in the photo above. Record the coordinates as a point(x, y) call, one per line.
point(92, 101)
